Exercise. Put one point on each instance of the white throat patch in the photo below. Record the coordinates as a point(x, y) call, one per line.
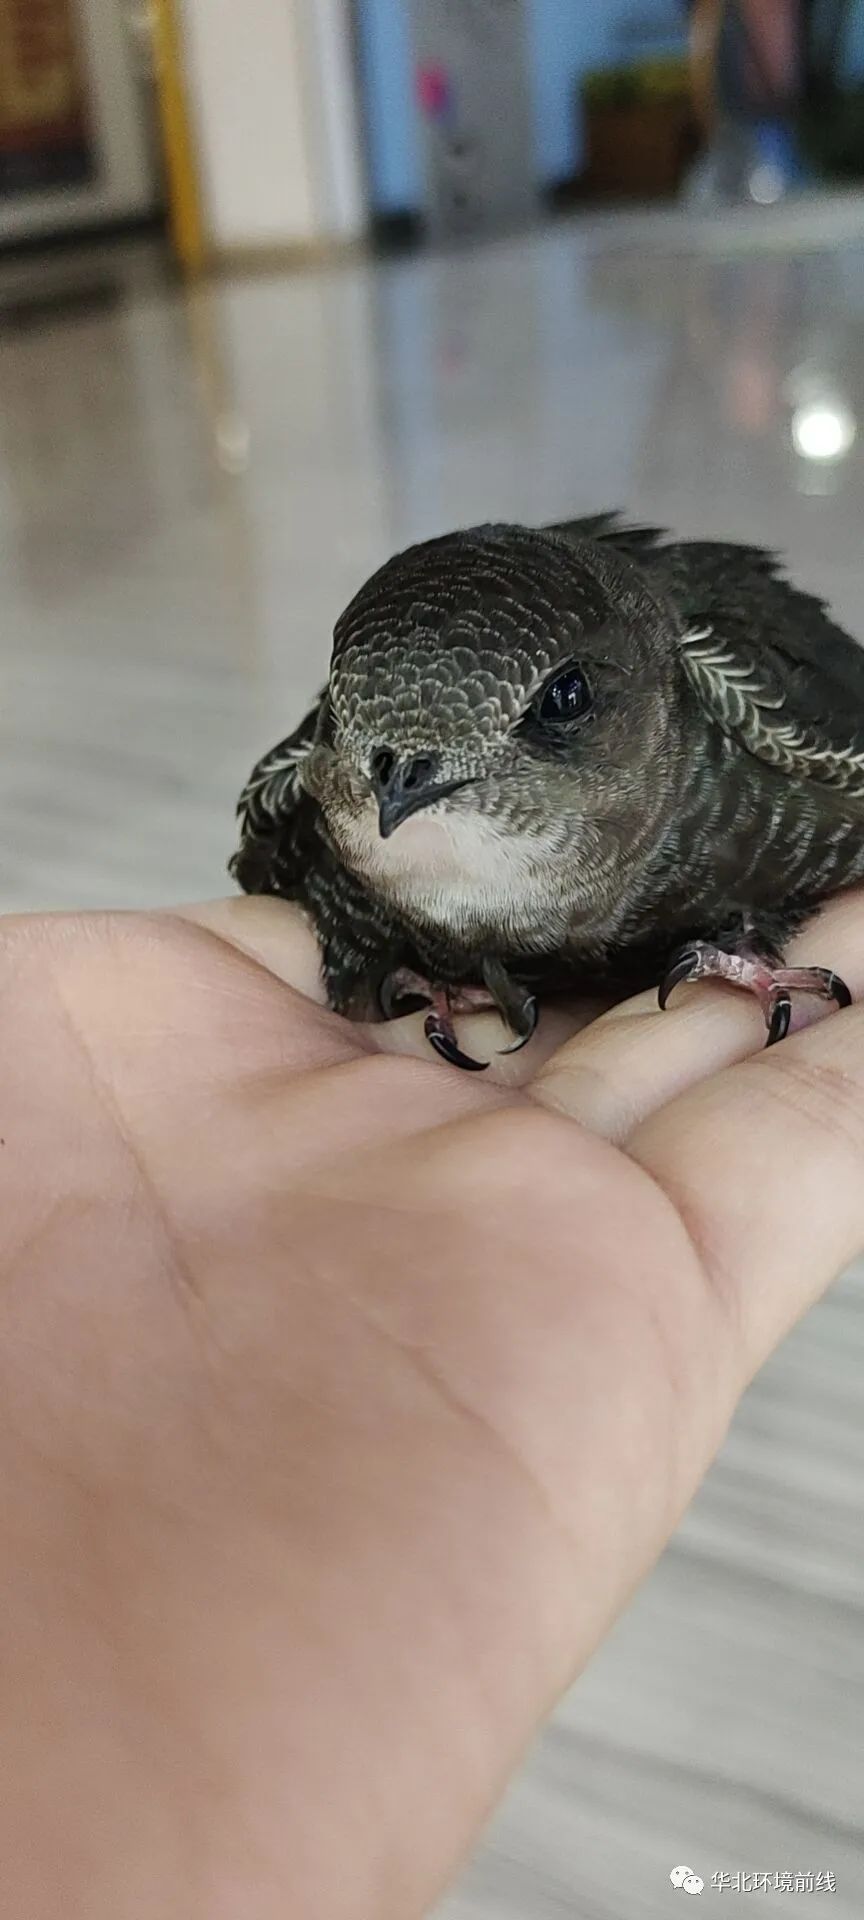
point(456, 871)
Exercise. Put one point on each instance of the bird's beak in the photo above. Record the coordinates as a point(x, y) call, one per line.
point(406, 787)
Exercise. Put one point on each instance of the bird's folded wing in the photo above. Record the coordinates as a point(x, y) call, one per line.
point(770, 666)
point(272, 791)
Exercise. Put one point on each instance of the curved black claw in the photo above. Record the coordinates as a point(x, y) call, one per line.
point(683, 967)
point(530, 1016)
point(447, 1045)
point(835, 988)
point(781, 1015)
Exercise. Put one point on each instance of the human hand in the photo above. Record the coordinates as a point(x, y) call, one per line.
point(344, 1398)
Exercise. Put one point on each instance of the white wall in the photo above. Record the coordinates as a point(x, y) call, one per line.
point(271, 96)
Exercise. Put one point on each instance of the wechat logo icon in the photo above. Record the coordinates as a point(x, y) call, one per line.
point(686, 1879)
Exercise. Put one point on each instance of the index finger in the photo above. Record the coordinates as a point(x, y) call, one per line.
point(276, 933)
point(279, 936)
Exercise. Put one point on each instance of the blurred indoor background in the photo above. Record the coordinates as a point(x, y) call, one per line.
point(284, 286)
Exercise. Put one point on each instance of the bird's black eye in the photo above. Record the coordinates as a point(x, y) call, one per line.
point(567, 697)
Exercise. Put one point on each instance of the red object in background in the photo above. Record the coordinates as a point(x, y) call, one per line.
point(434, 91)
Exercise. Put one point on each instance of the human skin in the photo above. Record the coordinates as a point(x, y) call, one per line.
point(345, 1398)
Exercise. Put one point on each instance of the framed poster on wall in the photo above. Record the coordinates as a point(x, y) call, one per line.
point(74, 145)
point(46, 137)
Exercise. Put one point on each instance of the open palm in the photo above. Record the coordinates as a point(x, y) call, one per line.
point(345, 1397)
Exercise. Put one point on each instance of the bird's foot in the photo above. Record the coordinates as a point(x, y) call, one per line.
point(773, 986)
point(405, 991)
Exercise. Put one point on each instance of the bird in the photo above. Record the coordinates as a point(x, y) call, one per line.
point(562, 758)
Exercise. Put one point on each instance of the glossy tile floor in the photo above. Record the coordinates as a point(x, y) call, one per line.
point(190, 489)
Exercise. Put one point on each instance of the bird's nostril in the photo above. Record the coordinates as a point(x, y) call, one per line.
point(418, 771)
point(383, 764)
point(386, 768)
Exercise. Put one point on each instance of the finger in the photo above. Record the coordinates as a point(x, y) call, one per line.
point(837, 929)
point(276, 933)
point(635, 1058)
point(484, 1037)
point(765, 1166)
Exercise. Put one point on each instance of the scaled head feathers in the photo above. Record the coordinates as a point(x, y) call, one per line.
point(451, 658)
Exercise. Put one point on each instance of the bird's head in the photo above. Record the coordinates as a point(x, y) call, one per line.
point(501, 726)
